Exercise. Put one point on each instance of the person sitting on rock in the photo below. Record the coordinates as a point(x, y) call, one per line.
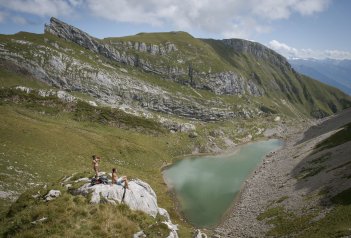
point(96, 160)
point(119, 181)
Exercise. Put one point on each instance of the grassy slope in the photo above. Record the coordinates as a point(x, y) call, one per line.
point(41, 143)
point(73, 216)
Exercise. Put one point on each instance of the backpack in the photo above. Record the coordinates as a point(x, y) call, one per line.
point(94, 181)
point(103, 179)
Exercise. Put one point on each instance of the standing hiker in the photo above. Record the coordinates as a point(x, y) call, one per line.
point(120, 180)
point(96, 160)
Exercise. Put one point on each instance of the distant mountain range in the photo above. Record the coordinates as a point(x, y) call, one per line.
point(336, 73)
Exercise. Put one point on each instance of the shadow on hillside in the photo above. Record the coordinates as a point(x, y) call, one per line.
point(326, 171)
point(333, 123)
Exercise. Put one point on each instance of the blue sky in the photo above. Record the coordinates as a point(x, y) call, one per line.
point(295, 28)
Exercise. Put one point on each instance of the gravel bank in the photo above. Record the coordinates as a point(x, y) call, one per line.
point(276, 178)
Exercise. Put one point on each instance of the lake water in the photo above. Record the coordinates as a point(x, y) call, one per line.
point(206, 186)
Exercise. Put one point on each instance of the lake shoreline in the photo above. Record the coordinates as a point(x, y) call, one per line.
point(228, 152)
point(240, 219)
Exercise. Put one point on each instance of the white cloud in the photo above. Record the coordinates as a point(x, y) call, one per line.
point(38, 7)
point(231, 18)
point(309, 7)
point(282, 9)
point(283, 49)
point(291, 52)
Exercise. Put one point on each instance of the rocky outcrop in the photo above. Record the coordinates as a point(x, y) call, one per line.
point(63, 95)
point(199, 234)
point(52, 194)
point(73, 34)
point(140, 196)
point(257, 50)
point(227, 83)
point(153, 49)
point(109, 50)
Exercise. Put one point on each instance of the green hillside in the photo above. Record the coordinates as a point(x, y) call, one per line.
point(44, 139)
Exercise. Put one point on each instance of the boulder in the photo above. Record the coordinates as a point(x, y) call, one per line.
point(193, 134)
point(199, 234)
point(186, 127)
point(92, 103)
point(52, 194)
point(139, 196)
point(172, 229)
point(277, 118)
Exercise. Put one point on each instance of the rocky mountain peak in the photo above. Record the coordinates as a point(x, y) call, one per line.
point(71, 33)
point(258, 50)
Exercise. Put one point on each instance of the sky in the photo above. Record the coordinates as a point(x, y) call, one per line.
point(295, 28)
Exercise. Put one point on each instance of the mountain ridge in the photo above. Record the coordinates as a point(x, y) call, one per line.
point(182, 76)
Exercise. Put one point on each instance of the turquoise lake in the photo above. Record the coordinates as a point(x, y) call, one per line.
point(206, 186)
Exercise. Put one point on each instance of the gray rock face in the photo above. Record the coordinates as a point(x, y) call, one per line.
point(228, 83)
point(113, 51)
point(72, 33)
point(160, 49)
